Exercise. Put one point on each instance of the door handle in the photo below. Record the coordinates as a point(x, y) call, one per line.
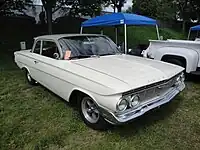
point(35, 61)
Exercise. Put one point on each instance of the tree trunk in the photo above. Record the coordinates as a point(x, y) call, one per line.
point(119, 8)
point(49, 19)
point(114, 8)
point(184, 26)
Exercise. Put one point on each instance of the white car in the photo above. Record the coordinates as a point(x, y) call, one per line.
point(108, 87)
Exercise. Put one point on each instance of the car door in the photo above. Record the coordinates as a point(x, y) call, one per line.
point(33, 59)
point(46, 64)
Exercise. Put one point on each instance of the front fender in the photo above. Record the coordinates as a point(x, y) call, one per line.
point(107, 102)
point(190, 55)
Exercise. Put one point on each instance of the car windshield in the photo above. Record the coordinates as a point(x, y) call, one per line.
point(88, 46)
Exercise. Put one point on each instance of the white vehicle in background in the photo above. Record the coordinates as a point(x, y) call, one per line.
point(180, 52)
point(184, 53)
point(108, 87)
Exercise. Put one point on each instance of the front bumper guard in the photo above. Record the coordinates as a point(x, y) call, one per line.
point(151, 104)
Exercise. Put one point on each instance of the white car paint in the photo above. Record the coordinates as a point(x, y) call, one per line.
point(190, 50)
point(103, 78)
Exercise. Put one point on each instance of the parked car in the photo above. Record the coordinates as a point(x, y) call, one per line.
point(180, 52)
point(88, 71)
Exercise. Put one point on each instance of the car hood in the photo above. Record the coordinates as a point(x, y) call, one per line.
point(125, 72)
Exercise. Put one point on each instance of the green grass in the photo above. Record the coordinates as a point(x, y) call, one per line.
point(31, 117)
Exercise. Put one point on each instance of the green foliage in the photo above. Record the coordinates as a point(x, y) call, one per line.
point(8, 6)
point(196, 9)
point(160, 9)
point(146, 7)
point(87, 7)
point(168, 10)
point(142, 35)
point(171, 34)
point(184, 9)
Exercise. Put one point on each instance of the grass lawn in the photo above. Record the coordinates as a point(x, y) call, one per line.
point(31, 117)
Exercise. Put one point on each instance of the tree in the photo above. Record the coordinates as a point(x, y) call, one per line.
point(159, 9)
point(167, 10)
point(84, 7)
point(88, 7)
point(117, 4)
point(48, 6)
point(184, 11)
point(7, 7)
point(195, 4)
point(146, 7)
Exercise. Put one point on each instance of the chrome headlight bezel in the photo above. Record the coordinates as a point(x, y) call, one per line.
point(129, 101)
point(124, 102)
point(134, 101)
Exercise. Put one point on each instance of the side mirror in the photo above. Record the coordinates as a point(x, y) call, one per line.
point(56, 56)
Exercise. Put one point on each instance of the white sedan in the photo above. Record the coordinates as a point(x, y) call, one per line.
point(89, 71)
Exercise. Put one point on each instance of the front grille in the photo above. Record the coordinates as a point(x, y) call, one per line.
point(151, 91)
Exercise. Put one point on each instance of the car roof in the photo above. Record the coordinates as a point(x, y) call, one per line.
point(58, 36)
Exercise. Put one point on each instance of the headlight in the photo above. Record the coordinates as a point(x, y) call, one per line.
point(134, 100)
point(122, 105)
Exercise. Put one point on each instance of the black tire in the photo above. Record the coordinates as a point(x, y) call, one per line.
point(101, 124)
point(29, 79)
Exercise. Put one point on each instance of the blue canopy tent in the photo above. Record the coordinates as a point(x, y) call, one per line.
point(195, 28)
point(116, 19)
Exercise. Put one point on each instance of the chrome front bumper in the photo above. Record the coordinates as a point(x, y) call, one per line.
point(143, 108)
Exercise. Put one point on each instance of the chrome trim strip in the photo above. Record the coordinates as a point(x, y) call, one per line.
point(151, 104)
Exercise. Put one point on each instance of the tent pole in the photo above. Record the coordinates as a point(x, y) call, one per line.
point(157, 30)
point(101, 31)
point(125, 39)
point(116, 40)
point(81, 31)
point(189, 35)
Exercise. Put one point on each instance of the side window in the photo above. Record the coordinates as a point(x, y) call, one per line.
point(50, 49)
point(37, 47)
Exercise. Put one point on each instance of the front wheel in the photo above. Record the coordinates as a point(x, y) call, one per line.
point(30, 79)
point(90, 114)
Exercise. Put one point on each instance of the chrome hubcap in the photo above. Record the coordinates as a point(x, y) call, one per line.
point(89, 110)
point(29, 76)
